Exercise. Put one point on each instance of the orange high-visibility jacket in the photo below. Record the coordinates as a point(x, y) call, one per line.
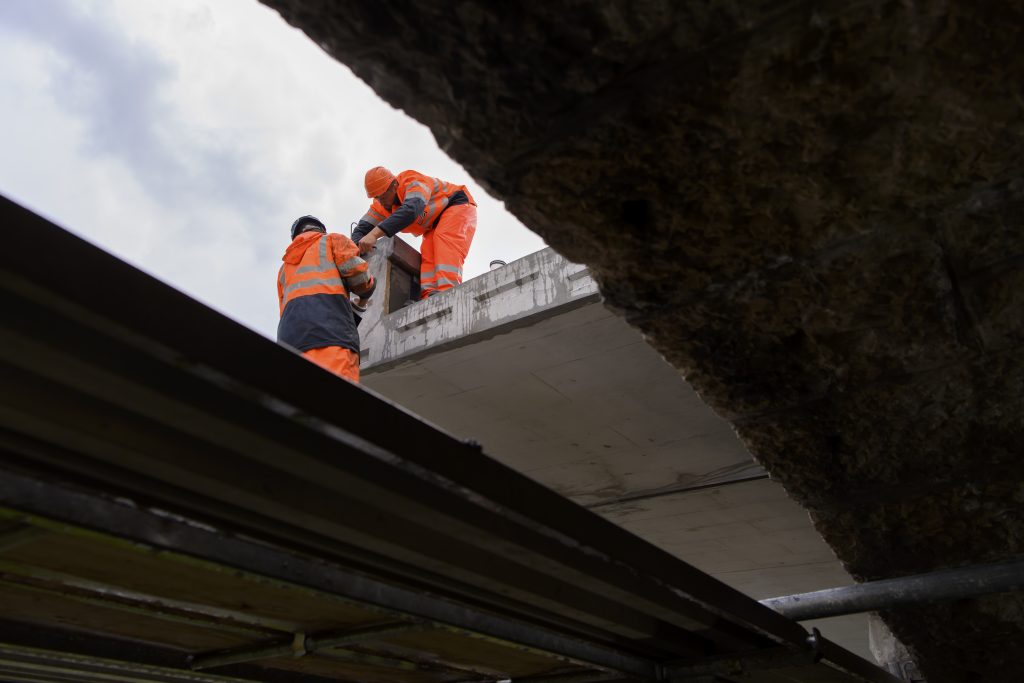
point(313, 286)
point(420, 202)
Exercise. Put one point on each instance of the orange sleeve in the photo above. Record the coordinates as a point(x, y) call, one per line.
point(353, 268)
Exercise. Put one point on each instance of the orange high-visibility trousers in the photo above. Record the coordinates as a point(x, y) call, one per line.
point(444, 249)
point(339, 360)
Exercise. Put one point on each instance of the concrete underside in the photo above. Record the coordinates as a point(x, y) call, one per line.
point(563, 390)
point(812, 210)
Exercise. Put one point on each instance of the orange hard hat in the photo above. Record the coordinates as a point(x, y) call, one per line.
point(378, 180)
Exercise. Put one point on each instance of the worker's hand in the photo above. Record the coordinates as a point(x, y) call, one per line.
point(370, 239)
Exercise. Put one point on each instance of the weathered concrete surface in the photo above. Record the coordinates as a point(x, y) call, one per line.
point(813, 210)
point(521, 292)
point(528, 362)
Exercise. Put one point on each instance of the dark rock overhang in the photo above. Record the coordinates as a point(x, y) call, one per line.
point(813, 210)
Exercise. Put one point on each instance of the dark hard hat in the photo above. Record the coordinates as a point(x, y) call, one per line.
point(302, 222)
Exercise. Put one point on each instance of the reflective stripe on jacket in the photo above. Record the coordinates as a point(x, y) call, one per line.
point(435, 195)
point(313, 286)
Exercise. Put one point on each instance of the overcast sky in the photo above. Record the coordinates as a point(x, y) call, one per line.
point(185, 136)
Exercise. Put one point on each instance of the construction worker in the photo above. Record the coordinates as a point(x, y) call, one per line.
point(319, 272)
point(443, 213)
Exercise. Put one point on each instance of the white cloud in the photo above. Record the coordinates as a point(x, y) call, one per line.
point(186, 137)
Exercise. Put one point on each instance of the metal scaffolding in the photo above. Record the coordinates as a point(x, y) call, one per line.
point(182, 499)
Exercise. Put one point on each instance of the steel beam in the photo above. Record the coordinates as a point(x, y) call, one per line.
point(19, 535)
point(149, 531)
point(301, 644)
point(361, 635)
point(389, 661)
point(106, 596)
point(940, 586)
point(34, 636)
point(579, 677)
point(150, 612)
point(38, 664)
point(370, 659)
point(191, 408)
point(412, 521)
point(40, 503)
point(292, 647)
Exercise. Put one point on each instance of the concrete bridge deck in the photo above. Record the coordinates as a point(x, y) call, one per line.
point(526, 360)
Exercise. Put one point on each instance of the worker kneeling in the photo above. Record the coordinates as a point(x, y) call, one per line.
point(319, 272)
point(443, 213)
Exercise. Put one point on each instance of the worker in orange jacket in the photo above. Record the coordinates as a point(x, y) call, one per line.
point(443, 213)
point(319, 272)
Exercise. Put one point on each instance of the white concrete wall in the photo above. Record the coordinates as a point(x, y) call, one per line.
point(527, 288)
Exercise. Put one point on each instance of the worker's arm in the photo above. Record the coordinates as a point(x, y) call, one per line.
point(399, 220)
point(370, 220)
point(415, 195)
point(402, 217)
point(353, 269)
point(361, 229)
point(367, 230)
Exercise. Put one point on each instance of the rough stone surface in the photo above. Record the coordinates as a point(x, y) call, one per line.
point(813, 210)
